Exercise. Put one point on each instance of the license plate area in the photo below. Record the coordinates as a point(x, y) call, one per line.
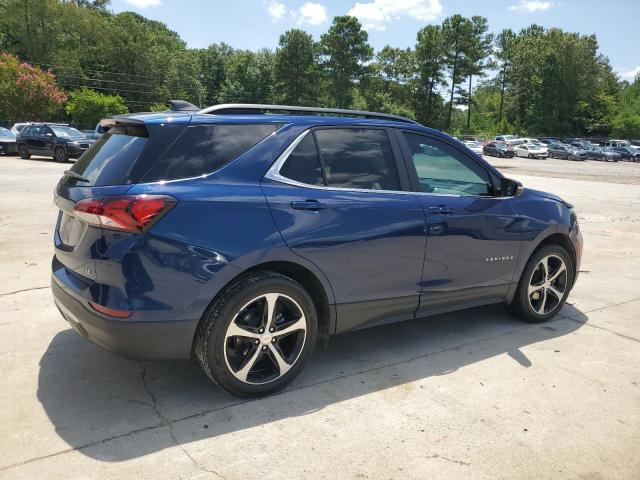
point(71, 230)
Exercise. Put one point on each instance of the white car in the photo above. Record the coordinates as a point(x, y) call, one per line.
point(474, 146)
point(531, 150)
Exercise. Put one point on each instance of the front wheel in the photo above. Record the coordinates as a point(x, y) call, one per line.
point(60, 155)
point(544, 285)
point(258, 335)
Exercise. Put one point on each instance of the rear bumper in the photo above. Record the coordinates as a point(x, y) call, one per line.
point(142, 340)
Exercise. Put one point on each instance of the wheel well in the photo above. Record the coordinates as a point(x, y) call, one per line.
point(309, 282)
point(564, 242)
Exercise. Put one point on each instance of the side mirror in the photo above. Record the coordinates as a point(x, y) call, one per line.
point(511, 188)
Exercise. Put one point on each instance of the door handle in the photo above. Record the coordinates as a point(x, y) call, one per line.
point(441, 210)
point(311, 205)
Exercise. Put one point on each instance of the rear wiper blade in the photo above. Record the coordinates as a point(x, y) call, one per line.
point(77, 176)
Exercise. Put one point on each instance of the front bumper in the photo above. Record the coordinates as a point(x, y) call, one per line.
point(141, 340)
point(8, 147)
point(75, 151)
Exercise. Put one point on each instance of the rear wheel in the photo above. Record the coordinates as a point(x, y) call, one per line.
point(60, 155)
point(544, 285)
point(24, 152)
point(258, 335)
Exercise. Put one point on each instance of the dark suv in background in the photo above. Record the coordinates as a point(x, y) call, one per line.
point(52, 140)
point(239, 234)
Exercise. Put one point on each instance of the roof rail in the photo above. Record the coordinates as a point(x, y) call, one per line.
point(248, 108)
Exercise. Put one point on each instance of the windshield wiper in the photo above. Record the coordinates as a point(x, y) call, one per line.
point(77, 176)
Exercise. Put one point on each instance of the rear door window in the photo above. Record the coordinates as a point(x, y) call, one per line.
point(359, 158)
point(203, 149)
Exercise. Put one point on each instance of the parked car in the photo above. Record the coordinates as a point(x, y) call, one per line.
point(568, 152)
point(549, 140)
point(617, 143)
point(496, 149)
point(242, 239)
point(531, 150)
point(52, 140)
point(604, 154)
point(543, 146)
point(474, 146)
point(627, 153)
point(7, 141)
point(18, 127)
point(505, 138)
point(96, 133)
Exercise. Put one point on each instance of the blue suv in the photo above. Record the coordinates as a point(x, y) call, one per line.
point(241, 234)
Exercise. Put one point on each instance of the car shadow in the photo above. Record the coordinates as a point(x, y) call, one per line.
point(92, 396)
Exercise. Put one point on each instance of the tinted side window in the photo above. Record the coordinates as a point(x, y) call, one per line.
point(303, 165)
point(203, 149)
point(358, 158)
point(442, 169)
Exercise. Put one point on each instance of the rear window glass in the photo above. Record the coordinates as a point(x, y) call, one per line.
point(203, 149)
point(110, 159)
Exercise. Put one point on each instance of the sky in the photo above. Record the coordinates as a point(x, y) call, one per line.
point(255, 24)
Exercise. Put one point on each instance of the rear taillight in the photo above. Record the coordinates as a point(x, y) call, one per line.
point(128, 213)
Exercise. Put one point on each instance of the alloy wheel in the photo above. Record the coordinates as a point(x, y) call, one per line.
point(547, 285)
point(265, 338)
point(60, 155)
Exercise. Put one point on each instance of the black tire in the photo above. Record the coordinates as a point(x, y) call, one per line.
point(23, 151)
point(211, 342)
point(551, 155)
point(530, 156)
point(603, 158)
point(523, 302)
point(60, 155)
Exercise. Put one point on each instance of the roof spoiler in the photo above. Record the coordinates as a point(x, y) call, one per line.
point(182, 106)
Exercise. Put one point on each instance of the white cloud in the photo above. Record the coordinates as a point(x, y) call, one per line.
point(144, 3)
point(375, 14)
point(276, 10)
point(530, 6)
point(629, 74)
point(311, 14)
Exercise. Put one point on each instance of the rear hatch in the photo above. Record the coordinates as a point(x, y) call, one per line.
point(109, 168)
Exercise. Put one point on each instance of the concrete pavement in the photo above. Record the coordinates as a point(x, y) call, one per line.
point(474, 394)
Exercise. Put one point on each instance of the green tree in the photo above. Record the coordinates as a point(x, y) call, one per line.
point(248, 77)
point(345, 50)
point(457, 34)
point(296, 68)
point(477, 56)
point(86, 107)
point(429, 56)
point(504, 43)
point(27, 92)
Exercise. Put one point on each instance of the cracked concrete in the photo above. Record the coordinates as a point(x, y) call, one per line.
point(474, 394)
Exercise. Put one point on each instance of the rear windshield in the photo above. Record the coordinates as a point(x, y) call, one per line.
point(203, 149)
point(110, 159)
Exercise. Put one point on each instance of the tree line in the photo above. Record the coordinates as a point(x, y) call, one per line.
point(459, 76)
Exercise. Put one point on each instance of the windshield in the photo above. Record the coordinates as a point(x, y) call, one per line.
point(66, 132)
point(5, 132)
